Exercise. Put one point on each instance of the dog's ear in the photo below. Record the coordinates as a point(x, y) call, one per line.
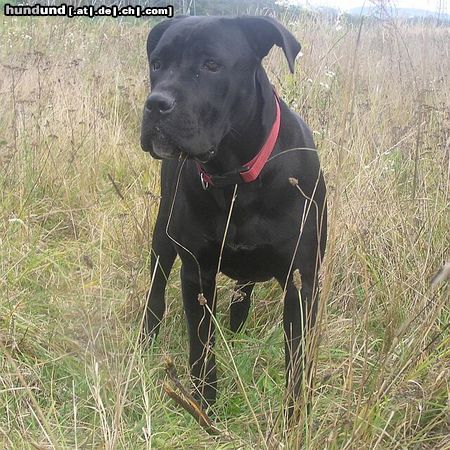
point(157, 31)
point(264, 32)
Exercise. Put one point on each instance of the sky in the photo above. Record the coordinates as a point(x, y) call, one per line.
point(430, 5)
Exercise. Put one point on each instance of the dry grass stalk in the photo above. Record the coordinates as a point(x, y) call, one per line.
point(184, 398)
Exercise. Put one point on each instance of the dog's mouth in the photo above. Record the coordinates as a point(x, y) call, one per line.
point(164, 147)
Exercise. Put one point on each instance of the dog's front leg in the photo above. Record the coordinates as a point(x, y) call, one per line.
point(201, 330)
point(298, 320)
point(240, 305)
point(162, 258)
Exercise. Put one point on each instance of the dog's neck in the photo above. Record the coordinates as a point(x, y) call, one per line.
point(247, 135)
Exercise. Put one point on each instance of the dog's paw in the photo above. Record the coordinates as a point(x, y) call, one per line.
point(206, 404)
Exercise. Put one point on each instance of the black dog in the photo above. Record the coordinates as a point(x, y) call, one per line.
point(242, 189)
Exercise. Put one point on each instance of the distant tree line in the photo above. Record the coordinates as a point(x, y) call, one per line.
point(280, 8)
point(193, 7)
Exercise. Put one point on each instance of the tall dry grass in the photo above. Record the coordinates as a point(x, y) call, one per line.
point(78, 202)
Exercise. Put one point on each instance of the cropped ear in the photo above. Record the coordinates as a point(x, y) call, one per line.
point(157, 31)
point(264, 32)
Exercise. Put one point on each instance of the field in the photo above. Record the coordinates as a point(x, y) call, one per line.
point(78, 199)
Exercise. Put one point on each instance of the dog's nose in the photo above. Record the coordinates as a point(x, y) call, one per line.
point(158, 103)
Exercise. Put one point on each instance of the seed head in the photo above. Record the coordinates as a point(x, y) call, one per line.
point(297, 279)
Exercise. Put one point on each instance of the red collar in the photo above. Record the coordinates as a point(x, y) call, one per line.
point(248, 172)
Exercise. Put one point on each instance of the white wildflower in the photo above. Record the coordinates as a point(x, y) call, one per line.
point(17, 220)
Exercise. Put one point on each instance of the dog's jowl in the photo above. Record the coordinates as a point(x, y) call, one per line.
point(241, 185)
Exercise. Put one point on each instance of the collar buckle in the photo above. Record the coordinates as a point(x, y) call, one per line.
point(205, 183)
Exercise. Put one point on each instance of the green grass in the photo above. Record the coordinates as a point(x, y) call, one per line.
point(74, 255)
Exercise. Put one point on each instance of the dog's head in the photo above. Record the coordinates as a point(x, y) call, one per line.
point(203, 79)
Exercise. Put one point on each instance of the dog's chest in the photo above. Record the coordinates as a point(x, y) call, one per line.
point(253, 232)
point(249, 250)
point(245, 232)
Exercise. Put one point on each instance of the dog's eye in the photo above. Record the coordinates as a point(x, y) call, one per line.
point(156, 65)
point(211, 66)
